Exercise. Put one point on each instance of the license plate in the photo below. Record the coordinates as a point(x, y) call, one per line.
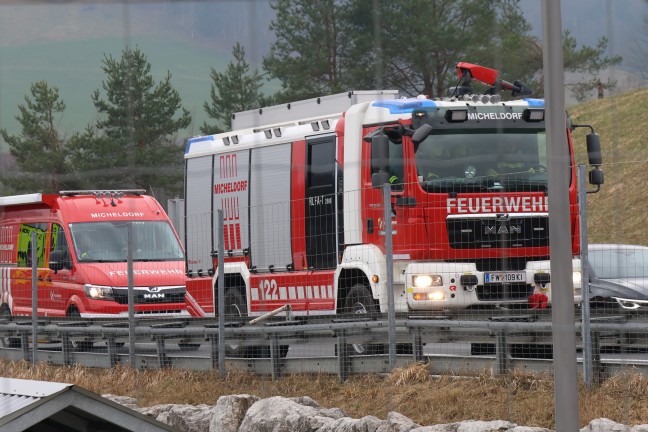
point(499, 277)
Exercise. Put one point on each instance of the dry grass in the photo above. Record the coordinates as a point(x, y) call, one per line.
point(522, 398)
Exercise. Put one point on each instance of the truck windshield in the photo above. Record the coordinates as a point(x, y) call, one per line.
point(512, 160)
point(108, 241)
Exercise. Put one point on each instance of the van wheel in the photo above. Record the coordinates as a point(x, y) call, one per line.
point(359, 302)
point(79, 345)
point(8, 342)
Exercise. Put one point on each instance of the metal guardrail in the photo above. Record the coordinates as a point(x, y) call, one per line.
point(499, 334)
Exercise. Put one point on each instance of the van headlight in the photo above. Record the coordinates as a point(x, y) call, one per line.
point(427, 281)
point(97, 292)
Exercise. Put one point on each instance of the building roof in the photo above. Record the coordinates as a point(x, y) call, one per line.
point(40, 406)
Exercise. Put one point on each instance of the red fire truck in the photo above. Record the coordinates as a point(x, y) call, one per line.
point(301, 189)
point(82, 244)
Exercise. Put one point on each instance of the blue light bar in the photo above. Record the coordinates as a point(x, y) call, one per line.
point(404, 106)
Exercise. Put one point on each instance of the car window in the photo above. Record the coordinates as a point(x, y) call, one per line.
point(619, 263)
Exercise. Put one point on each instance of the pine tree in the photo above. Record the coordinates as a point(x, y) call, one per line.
point(39, 151)
point(236, 89)
point(308, 54)
point(133, 143)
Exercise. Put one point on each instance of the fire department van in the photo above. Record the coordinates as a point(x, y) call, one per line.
point(82, 242)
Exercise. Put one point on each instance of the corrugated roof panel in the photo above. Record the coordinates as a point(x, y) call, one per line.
point(11, 403)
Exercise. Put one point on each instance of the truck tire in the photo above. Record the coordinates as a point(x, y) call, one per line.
point(358, 301)
point(8, 342)
point(235, 310)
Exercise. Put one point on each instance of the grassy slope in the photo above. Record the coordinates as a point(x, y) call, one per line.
point(618, 212)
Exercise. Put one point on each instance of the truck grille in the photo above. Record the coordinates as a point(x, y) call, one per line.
point(502, 292)
point(498, 231)
point(144, 297)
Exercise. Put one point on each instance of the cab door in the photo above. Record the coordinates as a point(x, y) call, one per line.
point(322, 204)
point(22, 276)
point(61, 284)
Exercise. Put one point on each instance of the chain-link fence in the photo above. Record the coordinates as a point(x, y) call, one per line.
point(359, 234)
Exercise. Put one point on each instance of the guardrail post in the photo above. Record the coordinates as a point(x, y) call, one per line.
point(27, 354)
point(66, 347)
point(343, 355)
point(501, 352)
point(112, 351)
point(275, 361)
point(163, 360)
point(213, 346)
point(597, 367)
point(417, 345)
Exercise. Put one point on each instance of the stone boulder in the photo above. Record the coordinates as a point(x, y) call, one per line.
point(280, 414)
point(186, 418)
point(230, 411)
point(397, 422)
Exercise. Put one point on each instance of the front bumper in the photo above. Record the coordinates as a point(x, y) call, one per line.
point(460, 285)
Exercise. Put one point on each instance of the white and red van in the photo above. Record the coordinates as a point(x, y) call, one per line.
point(82, 244)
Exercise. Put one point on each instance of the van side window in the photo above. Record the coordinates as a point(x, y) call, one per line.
point(25, 244)
point(59, 256)
point(58, 241)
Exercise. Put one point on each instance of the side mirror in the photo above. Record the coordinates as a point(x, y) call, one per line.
point(379, 179)
point(380, 152)
point(596, 177)
point(59, 260)
point(421, 133)
point(594, 149)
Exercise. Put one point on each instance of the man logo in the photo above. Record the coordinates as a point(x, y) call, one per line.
point(502, 229)
point(151, 296)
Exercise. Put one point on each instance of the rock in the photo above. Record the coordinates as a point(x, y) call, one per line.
point(229, 412)
point(126, 401)
point(397, 422)
point(605, 425)
point(186, 418)
point(530, 429)
point(279, 414)
point(248, 413)
point(347, 424)
point(469, 426)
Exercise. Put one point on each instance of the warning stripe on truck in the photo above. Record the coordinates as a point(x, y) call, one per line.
point(305, 293)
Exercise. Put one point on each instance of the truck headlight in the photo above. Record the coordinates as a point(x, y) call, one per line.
point(426, 281)
point(97, 292)
point(433, 296)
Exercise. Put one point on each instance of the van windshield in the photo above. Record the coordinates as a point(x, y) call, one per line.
point(108, 241)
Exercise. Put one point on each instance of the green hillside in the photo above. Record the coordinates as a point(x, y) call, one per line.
point(618, 213)
point(64, 44)
point(75, 68)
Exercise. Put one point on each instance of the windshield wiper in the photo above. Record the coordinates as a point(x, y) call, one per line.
point(524, 185)
point(460, 184)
